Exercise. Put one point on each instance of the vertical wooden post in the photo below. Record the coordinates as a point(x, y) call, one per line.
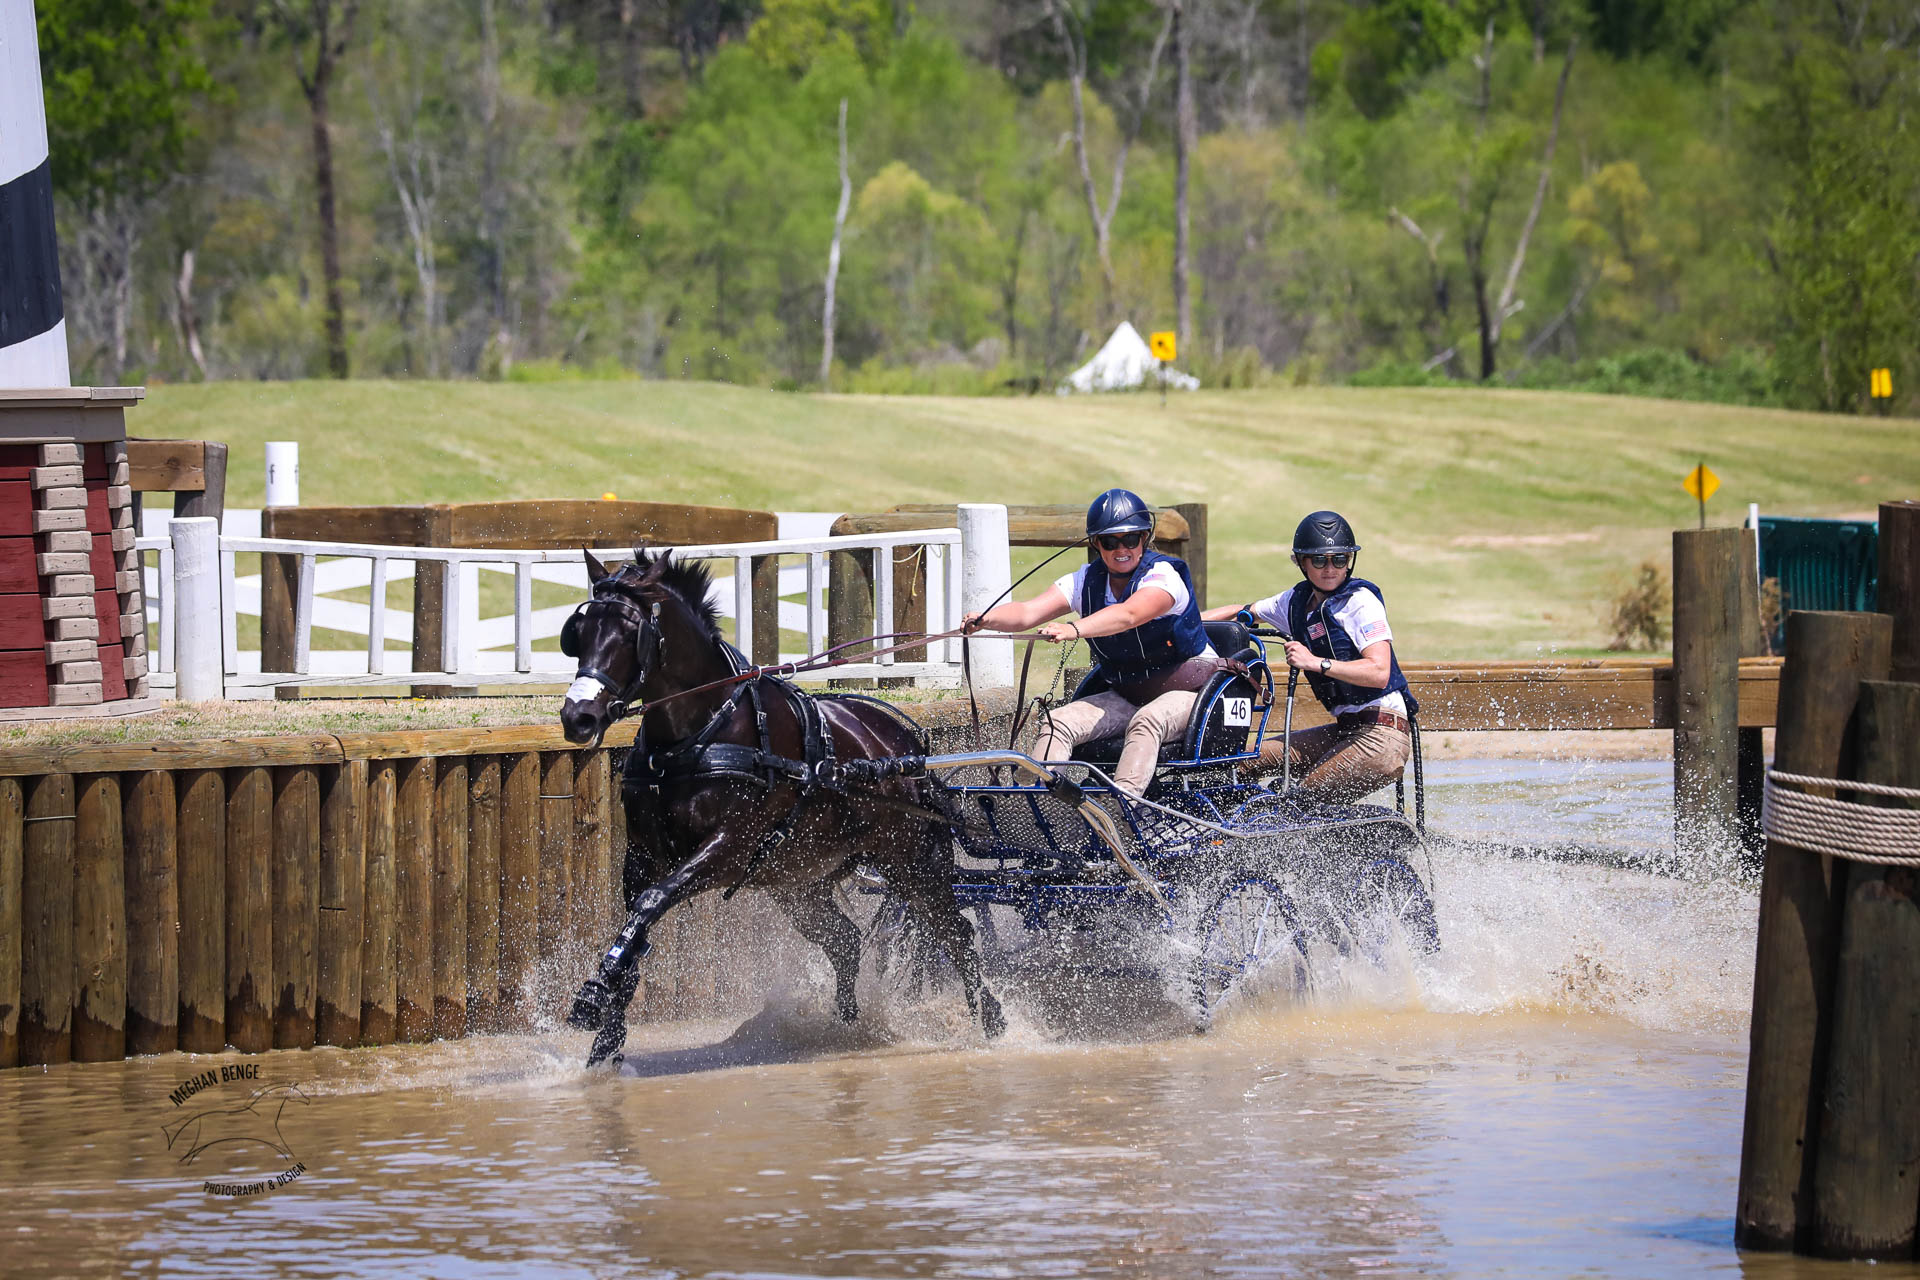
point(909, 567)
point(592, 831)
point(153, 914)
point(379, 983)
point(450, 899)
point(556, 841)
point(342, 924)
point(430, 599)
point(211, 500)
point(849, 603)
point(249, 908)
point(201, 833)
point(1706, 688)
point(1751, 756)
point(46, 913)
point(1828, 655)
point(279, 579)
point(1865, 1197)
point(766, 609)
point(99, 922)
point(1195, 514)
point(483, 891)
point(1899, 583)
point(413, 899)
point(12, 836)
point(296, 903)
point(519, 886)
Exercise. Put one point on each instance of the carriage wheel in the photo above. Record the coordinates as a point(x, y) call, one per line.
point(1389, 896)
point(1251, 925)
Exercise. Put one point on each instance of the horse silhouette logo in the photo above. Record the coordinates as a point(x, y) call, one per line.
point(232, 1129)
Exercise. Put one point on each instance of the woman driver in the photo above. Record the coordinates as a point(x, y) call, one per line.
point(1138, 614)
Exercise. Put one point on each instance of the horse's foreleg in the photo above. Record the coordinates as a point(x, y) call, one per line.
point(821, 922)
point(929, 896)
point(601, 1003)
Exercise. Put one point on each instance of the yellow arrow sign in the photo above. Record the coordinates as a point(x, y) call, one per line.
point(1162, 344)
point(1701, 482)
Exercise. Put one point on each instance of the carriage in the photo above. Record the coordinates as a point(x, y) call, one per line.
point(1246, 877)
point(740, 779)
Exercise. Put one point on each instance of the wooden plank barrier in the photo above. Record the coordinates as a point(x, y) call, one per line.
point(341, 902)
point(296, 904)
point(12, 833)
point(379, 992)
point(483, 892)
point(249, 908)
point(153, 905)
point(413, 899)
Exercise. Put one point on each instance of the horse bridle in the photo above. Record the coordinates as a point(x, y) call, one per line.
point(645, 620)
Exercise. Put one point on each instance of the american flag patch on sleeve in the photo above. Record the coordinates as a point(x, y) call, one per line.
point(1369, 630)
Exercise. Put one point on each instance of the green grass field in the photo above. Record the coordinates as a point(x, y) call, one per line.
point(1499, 523)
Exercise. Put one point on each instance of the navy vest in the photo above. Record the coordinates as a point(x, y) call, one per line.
point(1335, 643)
point(1152, 646)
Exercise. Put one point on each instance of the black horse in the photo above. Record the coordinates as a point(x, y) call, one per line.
point(747, 783)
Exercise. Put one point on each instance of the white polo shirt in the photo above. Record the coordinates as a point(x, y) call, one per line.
point(1362, 615)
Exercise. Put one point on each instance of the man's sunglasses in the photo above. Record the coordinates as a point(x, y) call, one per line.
point(1115, 541)
point(1337, 560)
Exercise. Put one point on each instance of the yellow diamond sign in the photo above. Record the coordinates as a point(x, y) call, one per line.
point(1701, 482)
point(1162, 344)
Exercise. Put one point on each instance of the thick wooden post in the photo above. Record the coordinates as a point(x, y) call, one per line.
point(483, 892)
point(153, 914)
point(1195, 514)
point(592, 905)
point(519, 887)
point(1866, 1200)
point(201, 832)
point(1706, 688)
point(430, 600)
point(99, 922)
point(1751, 765)
point(249, 908)
point(849, 604)
point(1899, 585)
point(413, 900)
point(343, 857)
point(766, 609)
point(211, 499)
point(279, 582)
point(450, 899)
point(46, 911)
point(1828, 655)
point(296, 904)
point(12, 835)
point(909, 598)
point(556, 843)
point(380, 905)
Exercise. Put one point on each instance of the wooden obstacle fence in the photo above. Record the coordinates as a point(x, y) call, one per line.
point(273, 893)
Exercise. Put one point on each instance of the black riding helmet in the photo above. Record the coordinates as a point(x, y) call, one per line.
point(1119, 511)
point(1323, 533)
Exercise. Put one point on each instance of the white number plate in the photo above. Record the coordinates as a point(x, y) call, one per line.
point(1239, 712)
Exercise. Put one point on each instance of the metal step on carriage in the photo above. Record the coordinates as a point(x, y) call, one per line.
point(1249, 878)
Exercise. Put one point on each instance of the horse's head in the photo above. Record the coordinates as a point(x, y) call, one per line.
point(615, 636)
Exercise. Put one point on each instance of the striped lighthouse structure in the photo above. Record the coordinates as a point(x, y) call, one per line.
point(33, 326)
point(73, 630)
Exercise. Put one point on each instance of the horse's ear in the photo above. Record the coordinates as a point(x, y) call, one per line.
point(652, 568)
point(595, 570)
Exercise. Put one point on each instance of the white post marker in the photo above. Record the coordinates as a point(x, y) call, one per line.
point(197, 653)
point(283, 473)
point(33, 342)
point(986, 570)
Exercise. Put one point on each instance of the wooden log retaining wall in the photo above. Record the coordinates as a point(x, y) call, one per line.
point(356, 890)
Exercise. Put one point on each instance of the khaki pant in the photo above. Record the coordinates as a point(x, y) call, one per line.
point(1163, 719)
point(1333, 762)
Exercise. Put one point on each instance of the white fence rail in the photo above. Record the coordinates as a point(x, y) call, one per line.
point(479, 652)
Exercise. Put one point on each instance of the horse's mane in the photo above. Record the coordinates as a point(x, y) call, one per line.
point(687, 579)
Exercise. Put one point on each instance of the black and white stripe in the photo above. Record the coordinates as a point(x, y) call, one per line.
point(33, 330)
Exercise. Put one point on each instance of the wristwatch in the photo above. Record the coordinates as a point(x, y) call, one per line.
point(1326, 664)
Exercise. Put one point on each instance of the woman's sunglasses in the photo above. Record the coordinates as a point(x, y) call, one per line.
point(1115, 541)
point(1337, 560)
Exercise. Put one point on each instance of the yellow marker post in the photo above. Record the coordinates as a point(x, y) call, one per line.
point(1164, 346)
point(1880, 384)
point(1701, 483)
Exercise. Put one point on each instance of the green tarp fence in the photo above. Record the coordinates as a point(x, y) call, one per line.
point(1820, 564)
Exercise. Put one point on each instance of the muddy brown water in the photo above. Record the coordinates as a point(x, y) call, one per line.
point(1558, 1092)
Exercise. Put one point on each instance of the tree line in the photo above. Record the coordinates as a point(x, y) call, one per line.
point(1710, 198)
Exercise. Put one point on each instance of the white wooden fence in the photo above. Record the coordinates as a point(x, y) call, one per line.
point(483, 652)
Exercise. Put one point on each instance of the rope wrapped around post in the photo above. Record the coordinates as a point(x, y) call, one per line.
point(1841, 828)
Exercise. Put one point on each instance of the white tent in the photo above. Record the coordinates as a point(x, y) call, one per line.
point(1123, 364)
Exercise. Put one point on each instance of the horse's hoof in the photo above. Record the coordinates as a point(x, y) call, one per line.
point(591, 1006)
point(992, 1021)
